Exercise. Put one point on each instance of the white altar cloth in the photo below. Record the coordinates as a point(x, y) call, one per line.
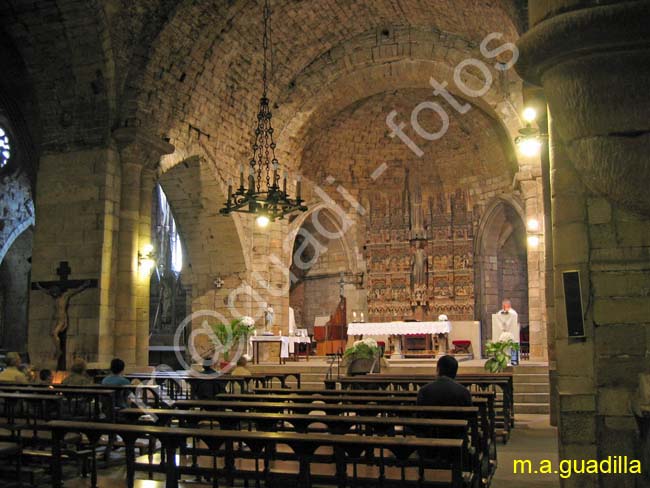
point(398, 328)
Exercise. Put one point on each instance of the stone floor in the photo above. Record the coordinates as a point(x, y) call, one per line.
point(533, 438)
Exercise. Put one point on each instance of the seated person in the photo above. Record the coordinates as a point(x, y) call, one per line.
point(241, 369)
point(206, 389)
point(12, 372)
point(444, 391)
point(45, 377)
point(116, 378)
point(78, 375)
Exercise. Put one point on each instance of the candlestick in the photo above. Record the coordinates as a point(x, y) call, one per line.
point(241, 176)
point(251, 180)
point(298, 187)
point(275, 173)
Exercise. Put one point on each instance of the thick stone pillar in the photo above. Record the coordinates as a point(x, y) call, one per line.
point(147, 183)
point(76, 203)
point(593, 61)
point(530, 181)
point(127, 264)
point(139, 154)
point(575, 357)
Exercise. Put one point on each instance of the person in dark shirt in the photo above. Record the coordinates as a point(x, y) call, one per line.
point(444, 391)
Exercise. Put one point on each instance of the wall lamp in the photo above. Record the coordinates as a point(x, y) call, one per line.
point(146, 260)
point(530, 139)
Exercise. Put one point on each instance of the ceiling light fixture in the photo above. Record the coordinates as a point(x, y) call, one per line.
point(261, 192)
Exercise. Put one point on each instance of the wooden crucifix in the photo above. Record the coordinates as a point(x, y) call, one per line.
point(61, 292)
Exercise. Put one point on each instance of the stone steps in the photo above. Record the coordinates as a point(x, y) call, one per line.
point(528, 408)
point(530, 378)
point(531, 389)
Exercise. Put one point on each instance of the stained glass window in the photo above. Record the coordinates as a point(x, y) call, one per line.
point(5, 148)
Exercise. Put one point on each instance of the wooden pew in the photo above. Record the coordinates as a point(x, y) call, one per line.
point(24, 417)
point(89, 403)
point(477, 416)
point(504, 381)
point(347, 451)
point(485, 402)
point(177, 384)
point(370, 395)
point(336, 424)
point(481, 382)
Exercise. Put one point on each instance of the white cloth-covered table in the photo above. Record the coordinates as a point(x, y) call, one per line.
point(398, 328)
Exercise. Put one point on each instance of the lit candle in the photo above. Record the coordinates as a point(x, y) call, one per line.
point(361, 316)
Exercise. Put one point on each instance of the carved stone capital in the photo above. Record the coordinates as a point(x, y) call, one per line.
point(138, 146)
point(594, 65)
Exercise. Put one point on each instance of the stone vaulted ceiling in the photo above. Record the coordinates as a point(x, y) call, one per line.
point(190, 70)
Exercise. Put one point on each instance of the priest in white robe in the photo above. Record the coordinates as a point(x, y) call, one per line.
point(505, 323)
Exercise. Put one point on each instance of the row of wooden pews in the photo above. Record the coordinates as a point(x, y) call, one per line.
point(176, 385)
point(27, 409)
point(499, 383)
point(263, 436)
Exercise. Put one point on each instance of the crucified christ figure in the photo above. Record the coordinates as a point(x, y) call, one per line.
point(61, 301)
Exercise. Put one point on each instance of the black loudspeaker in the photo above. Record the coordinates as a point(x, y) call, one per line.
point(573, 303)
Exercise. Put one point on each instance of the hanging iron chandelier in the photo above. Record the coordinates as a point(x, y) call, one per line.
point(261, 192)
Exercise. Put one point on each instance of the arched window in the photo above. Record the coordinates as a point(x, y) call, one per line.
point(5, 148)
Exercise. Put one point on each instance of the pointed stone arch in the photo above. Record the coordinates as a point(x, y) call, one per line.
point(212, 242)
point(501, 243)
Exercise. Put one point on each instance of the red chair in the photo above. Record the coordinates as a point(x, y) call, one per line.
point(461, 347)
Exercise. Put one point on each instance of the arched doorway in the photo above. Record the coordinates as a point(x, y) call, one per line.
point(321, 256)
point(501, 266)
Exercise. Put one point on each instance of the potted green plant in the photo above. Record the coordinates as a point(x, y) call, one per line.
point(499, 353)
point(363, 357)
point(232, 338)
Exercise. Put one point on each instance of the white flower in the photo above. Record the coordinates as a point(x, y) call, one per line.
point(370, 342)
point(443, 318)
point(247, 321)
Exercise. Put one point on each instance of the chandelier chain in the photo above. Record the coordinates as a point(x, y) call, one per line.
point(271, 201)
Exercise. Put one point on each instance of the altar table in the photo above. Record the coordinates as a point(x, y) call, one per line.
point(403, 330)
point(398, 328)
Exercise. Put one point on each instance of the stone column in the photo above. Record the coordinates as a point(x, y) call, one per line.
point(593, 61)
point(76, 202)
point(139, 154)
point(575, 357)
point(127, 268)
point(530, 180)
point(148, 181)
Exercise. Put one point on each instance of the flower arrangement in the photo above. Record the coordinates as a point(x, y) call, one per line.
point(499, 353)
point(229, 336)
point(363, 349)
point(363, 357)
